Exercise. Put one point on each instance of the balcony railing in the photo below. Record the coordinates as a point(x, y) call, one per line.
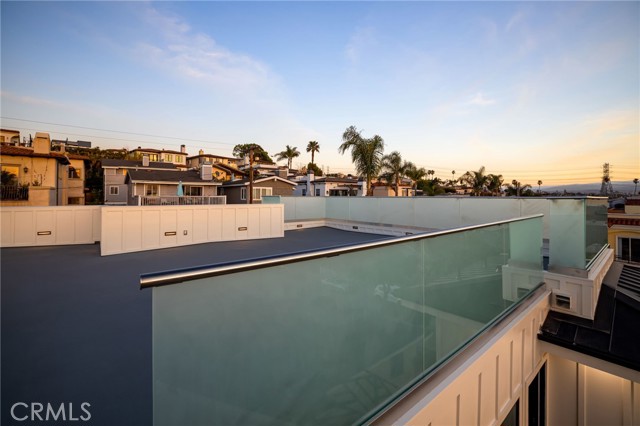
point(186, 200)
point(14, 193)
point(331, 337)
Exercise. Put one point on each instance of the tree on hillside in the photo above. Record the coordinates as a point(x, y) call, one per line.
point(394, 170)
point(539, 185)
point(313, 147)
point(242, 151)
point(288, 154)
point(477, 181)
point(635, 191)
point(366, 154)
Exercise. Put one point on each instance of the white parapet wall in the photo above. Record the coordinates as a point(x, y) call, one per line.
point(132, 228)
point(45, 226)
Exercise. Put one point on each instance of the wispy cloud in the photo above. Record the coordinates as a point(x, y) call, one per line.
point(480, 99)
point(515, 20)
point(196, 56)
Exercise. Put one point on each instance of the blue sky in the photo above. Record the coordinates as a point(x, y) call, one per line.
point(533, 91)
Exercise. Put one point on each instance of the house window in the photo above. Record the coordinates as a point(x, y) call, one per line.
point(74, 173)
point(10, 174)
point(317, 192)
point(151, 190)
point(304, 192)
point(259, 192)
point(169, 157)
point(114, 190)
point(178, 159)
point(153, 157)
point(243, 193)
point(194, 191)
point(629, 249)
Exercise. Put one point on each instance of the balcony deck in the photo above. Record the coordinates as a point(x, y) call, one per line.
point(76, 328)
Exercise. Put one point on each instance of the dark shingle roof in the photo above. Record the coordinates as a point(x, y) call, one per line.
point(613, 335)
point(168, 176)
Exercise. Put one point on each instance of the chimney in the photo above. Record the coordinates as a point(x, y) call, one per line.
point(63, 147)
point(206, 172)
point(183, 149)
point(283, 172)
point(42, 143)
point(310, 179)
point(201, 152)
point(145, 160)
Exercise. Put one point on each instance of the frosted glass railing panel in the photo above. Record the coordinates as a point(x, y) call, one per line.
point(337, 208)
point(364, 209)
point(291, 344)
point(567, 244)
point(310, 207)
point(474, 211)
point(437, 212)
point(396, 211)
point(271, 199)
point(330, 341)
point(596, 226)
point(532, 206)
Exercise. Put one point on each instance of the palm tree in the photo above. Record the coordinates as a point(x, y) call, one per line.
point(494, 183)
point(289, 154)
point(395, 169)
point(635, 191)
point(476, 180)
point(518, 189)
point(366, 154)
point(415, 174)
point(313, 147)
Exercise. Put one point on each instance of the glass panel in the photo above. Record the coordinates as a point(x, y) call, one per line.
point(567, 246)
point(329, 341)
point(596, 226)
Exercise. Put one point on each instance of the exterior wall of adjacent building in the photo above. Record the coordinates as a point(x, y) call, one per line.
point(625, 226)
point(116, 191)
point(48, 180)
point(9, 136)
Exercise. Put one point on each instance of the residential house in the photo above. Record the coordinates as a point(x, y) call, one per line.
point(159, 187)
point(116, 190)
point(38, 176)
point(11, 137)
point(179, 158)
point(236, 191)
point(260, 168)
point(224, 168)
point(624, 230)
point(74, 144)
point(385, 189)
point(310, 186)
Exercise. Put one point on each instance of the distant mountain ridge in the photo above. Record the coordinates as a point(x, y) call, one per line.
point(624, 187)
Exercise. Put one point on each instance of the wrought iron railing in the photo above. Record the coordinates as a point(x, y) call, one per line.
point(186, 200)
point(14, 192)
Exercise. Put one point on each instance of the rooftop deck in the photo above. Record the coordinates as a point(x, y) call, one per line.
point(76, 328)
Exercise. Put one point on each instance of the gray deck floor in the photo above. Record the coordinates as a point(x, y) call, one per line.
point(76, 327)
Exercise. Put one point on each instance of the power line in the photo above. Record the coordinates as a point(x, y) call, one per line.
point(116, 131)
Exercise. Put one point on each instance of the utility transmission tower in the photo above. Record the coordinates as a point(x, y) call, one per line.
point(606, 189)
